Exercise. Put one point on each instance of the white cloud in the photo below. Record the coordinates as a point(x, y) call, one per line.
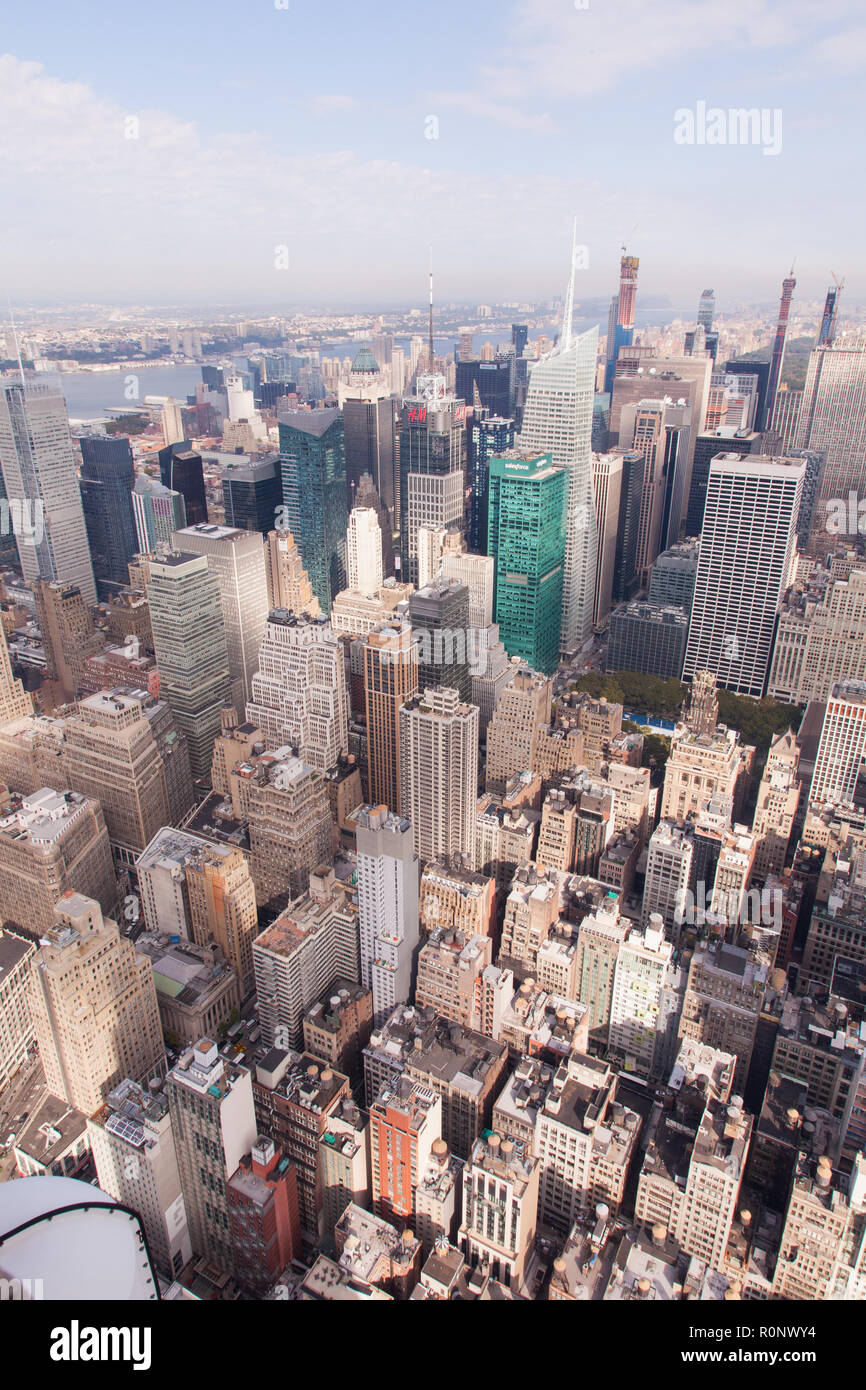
point(502, 112)
point(329, 103)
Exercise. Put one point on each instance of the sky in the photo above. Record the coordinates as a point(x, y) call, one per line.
point(302, 153)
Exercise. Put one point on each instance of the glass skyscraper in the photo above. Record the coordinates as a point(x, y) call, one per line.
point(526, 537)
point(107, 479)
point(486, 438)
point(313, 474)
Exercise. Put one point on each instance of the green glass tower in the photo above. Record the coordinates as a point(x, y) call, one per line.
point(526, 537)
point(313, 478)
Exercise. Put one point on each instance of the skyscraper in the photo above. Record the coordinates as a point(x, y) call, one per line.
point(107, 480)
point(364, 551)
point(237, 561)
point(432, 448)
point(607, 483)
point(558, 420)
point(620, 332)
point(388, 881)
point(158, 512)
point(313, 469)
point(94, 1007)
point(833, 414)
point(390, 661)
point(747, 546)
point(38, 465)
point(68, 633)
point(842, 745)
point(190, 644)
point(486, 438)
point(707, 309)
point(778, 357)
point(439, 773)
point(252, 495)
point(526, 537)
point(181, 470)
point(299, 693)
point(289, 584)
point(439, 615)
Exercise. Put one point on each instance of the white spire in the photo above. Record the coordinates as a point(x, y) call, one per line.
point(568, 312)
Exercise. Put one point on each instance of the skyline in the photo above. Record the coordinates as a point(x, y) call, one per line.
point(269, 138)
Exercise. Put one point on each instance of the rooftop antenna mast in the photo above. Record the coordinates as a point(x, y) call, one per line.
point(430, 367)
point(568, 311)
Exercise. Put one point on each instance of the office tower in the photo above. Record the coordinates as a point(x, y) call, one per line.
point(686, 381)
point(458, 900)
point(236, 560)
point(181, 470)
point(494, 674)
point(607, 481)
point(432, 453)
point(519, 338)
point(476, 572)
point(136, 1163)
point(827, 331)
point(842, 744)
point(17, 956)
point(706, 309)
point(390, 661)
point(512, 736)
point(821, 639)
point(701, 713)
point(485, 439)
point(252, 495)
point(621, 319)
point(368, 418)
point(295, 1096)
point(158, 513)
point(291, 831)
point(364, 551)
point(672, 581)
point(299, 694)
point(172, 424)
point(222, 905)
point(405, 1122)
point(313, 469)
point(189, 641)
point(111, 756)
point(338, 1025)
point(747, 546)
point(107, 479)
point(833, 414)
point(778, 801)
point(357, 615)
point(94, 1005)
point(439, 616)
point(558, 419)
point(366, 495)
point(709, 1131)
point(637, 1018)
point(264, 1217)
point(659, 431)
point(463, 348)
point(625, 581)
point(709, 445)
point(704, 767)
point(38, 465)
point(500, 1204)
point(600, 937)
point(648, 637)
point(15, 703)
point(439, 773)
point(449, 975)
point(388, 877)
point(344, 1163)
point(723, 1001)
point(213, 1121)
point(289, 584)
point(68, 634)
point(778, 356)
point(669, 875)
point(786, 418)
point(489, 385)
point(309, 946)
point(52, 844)
point(526, 535)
